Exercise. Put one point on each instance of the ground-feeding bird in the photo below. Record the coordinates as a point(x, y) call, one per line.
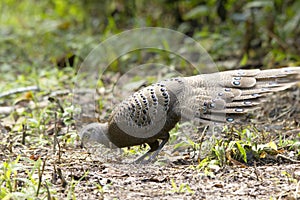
point(149, 114)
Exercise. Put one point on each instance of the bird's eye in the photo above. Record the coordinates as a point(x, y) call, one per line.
point(86, 136)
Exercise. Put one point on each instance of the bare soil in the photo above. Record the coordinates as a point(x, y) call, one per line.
point(74, 172)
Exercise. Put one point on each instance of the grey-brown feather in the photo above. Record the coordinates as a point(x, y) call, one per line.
point(149, 114)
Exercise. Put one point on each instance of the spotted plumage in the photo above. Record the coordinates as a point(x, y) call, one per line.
point(148, 115)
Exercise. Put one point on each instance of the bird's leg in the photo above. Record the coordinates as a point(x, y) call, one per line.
point(154, 151)
point(141, 160)
point(153, 146)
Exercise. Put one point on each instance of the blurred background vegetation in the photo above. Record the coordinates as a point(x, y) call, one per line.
point(43, 42)
point(42, 33)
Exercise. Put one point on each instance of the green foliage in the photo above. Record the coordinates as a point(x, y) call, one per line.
point(227, 29)
point(182, 188)
point(251, 147)
point(14, 186)
point(103, 189)
point(71, 192)
point(219, 151)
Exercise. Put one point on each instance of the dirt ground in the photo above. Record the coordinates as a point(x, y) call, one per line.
point(77, 173)
point(81, 175)
point(174, 181)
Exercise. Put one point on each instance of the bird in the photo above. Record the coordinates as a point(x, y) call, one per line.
point(148, 115)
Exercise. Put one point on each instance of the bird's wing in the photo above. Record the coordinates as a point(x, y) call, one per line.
point(226, 96)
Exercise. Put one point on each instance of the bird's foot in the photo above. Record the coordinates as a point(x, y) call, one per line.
point(151, 158)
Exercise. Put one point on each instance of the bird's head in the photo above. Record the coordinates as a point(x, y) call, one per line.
point(95, 133)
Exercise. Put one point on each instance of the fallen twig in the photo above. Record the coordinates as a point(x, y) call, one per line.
point(287, 158)
point(19, 90)
point(6, 109)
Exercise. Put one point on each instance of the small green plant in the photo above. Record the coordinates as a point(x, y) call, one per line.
point(289, 177)
point(71, 192)
point(102, 188)
point(240, 146)
point(13, 184)
point(243, 146)
point(177, 133)
point(7, 178)
point(219, 151)
point(182, 188)
point(135, 150)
